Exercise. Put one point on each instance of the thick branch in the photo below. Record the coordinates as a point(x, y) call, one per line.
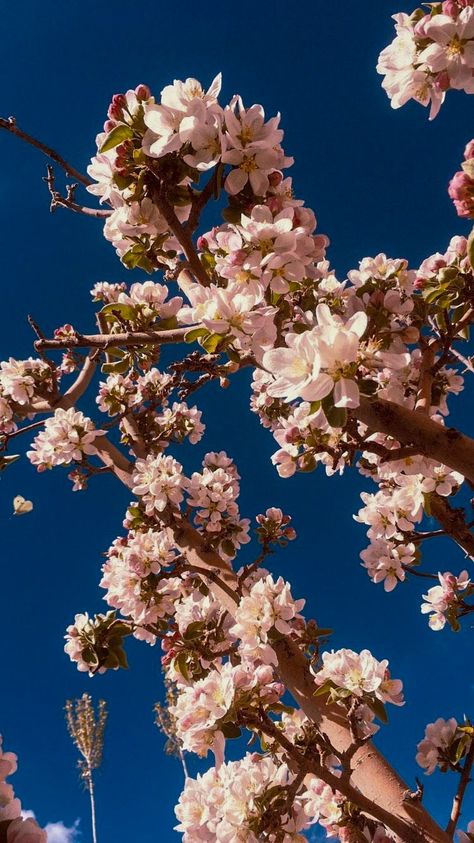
point(72, 395)
point(11, 126)
point(445, 444)
point(128, 339)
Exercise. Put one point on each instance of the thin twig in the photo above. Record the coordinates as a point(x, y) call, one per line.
point(59, 201)
point(128, 339)
point(461, 791)
point(11, 126)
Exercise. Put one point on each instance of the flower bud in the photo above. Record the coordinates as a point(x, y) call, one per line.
point(143, 92)
point(275, 178)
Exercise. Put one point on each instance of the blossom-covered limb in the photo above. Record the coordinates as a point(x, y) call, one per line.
point(342, 784)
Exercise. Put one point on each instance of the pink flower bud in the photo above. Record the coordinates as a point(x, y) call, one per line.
point(109, 125)
point(441, 82)
point(469, 151)
point(202, 243)
point(275, 178)
point(451, 8)
point(143, 92)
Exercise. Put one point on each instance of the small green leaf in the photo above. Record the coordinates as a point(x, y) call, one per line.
point(211, 342)
point(118, 368)
point(194, 630)
point(116, 136)
point(194, 334)
point(379, 710)
point(114, 309)
point(324, 689)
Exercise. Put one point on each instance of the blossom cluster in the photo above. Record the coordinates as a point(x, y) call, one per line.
point(203, 709)
point(186, 133)
point(68, 436)
point(213, 493)
point(461, 186)
point(432, 52)
point(358, 678)
point(445, 744)
point(445, 601)
point(20, 382)
point(269, 609)
point(132, 582)
point(230, 803)
point(18, 829)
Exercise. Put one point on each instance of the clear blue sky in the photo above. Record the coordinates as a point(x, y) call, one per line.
point(377, 181)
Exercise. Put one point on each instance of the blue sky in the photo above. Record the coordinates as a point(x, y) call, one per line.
point(377, 181)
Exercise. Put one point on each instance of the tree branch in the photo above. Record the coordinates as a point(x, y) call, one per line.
point(461, 791)
point(181, 233)
point(11, 126)
point(128, 339)
point(445, 444)
point(59, 201)
point(453, 523)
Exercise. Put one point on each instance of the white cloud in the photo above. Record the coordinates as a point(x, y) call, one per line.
point(58, 832)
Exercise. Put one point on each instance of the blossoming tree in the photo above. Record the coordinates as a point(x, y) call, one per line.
point(352, 374)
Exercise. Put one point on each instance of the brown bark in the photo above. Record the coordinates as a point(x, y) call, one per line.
point(445, 444)
point(453, 523)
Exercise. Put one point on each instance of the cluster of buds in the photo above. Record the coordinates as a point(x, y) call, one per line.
point(461, 186)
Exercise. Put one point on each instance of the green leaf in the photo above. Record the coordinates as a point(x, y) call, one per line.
point(181, 664)
point(211, 342)
point(336, 416)
point(194, 334)
point(116, 136)
point(118, 368)
point(324, 689)
point(126, 311)
point(379, 710)
point(194, 630)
